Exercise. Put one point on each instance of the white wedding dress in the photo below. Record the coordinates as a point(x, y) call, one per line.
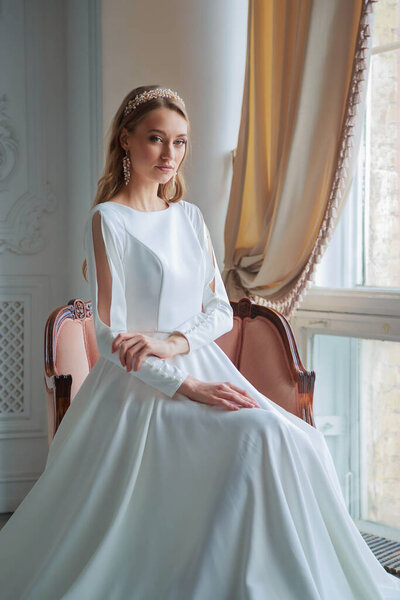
point(148, 495)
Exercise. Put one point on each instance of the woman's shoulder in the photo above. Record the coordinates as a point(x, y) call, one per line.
point(193, 211)
point(112, 226)
point(110, 216)
point(109, 213)
point(107, 207)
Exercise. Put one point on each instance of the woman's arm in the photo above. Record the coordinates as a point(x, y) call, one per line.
point(180, 344)
point(104, 241)
point(217, 317)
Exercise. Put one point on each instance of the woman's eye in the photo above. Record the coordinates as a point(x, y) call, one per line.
point(154, 138)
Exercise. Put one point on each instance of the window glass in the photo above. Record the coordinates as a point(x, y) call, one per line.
point(356, 406)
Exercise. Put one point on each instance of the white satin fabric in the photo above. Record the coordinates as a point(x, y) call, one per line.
point(148, 495)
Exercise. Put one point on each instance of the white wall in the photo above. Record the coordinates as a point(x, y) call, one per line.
point(50, 109)
point(33, 238)
point(197, 48)
point(83, 120)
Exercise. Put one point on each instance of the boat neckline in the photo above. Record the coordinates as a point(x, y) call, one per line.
point(144, 212)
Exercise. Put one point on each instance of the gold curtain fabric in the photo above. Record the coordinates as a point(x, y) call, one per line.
point(305, 71)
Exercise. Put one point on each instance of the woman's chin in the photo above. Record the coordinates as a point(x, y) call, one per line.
point(163, 178)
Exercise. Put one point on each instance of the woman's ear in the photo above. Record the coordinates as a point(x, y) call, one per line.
point(123, 138)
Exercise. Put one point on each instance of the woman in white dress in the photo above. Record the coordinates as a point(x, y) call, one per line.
point(171, 477)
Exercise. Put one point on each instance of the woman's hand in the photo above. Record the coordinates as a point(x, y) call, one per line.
point(138, 345)
point(224, 394)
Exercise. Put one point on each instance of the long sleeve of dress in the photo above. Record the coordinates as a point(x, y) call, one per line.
point(104, 245)
point(217, 318)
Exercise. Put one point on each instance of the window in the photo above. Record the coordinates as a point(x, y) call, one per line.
point(348, 325)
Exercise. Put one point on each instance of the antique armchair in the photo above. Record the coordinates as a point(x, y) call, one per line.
point(261, 344)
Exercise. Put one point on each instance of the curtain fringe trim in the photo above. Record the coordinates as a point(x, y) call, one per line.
point(292, 300)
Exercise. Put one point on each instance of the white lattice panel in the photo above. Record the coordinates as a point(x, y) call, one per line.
point(12, 355)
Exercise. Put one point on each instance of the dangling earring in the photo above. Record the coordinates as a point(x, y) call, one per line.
point(126, 164)
point(174, 178)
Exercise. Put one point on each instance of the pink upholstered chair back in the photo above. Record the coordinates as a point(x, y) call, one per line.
point(262, 346)
point(70, 349)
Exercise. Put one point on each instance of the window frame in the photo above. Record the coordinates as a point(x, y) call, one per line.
point(358, 316)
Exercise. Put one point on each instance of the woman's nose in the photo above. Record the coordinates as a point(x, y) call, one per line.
point(168, 151)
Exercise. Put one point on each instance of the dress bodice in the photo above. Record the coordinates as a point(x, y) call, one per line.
point(161, 265)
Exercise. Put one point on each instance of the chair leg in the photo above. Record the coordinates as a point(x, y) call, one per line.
point(62, 397)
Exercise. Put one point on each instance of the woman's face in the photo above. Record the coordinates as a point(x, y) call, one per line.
point(160, 139)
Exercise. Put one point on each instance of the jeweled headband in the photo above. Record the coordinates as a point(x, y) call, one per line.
point(150, 95)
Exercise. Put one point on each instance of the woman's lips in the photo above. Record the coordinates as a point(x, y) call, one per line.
point(165, 169)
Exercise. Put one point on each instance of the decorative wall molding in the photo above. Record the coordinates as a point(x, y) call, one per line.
point(12, 477)
point(8, 140)
point(12, 355)
point(22, 361)
point(24, 184)
point(21, 233)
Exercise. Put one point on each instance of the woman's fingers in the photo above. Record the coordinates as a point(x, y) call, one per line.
point(116, 343)
point(139, 358)
point(118, 340)
point(229, 405)
point(136, 351)
point(233, 396)
point(222, 394)
point(137, 345)
point(127, 352)
point(245, 393)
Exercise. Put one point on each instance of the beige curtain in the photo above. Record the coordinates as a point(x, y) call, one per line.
point(305, 76)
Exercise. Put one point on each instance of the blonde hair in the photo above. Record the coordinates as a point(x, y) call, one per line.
point(112, 179)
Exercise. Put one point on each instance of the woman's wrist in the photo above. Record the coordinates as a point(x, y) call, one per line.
point(178, 343)
point(188, 386)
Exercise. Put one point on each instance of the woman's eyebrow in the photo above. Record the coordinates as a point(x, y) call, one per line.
point(161, 131)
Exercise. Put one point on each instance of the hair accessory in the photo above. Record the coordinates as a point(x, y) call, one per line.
point(126, 164)
point(151, 95)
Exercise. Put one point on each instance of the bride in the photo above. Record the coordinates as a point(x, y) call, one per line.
point(171, 477)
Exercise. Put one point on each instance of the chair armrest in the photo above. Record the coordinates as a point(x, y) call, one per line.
point(306, 381)
point(293, 385)
point(68, 327)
